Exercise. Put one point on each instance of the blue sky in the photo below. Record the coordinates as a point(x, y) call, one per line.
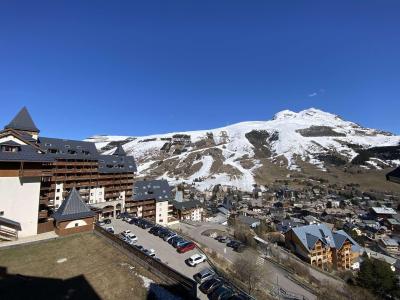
point(143, 67)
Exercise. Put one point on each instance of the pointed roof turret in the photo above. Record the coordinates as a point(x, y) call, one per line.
point(119, 151)
point(22, 121)
point(73, 208)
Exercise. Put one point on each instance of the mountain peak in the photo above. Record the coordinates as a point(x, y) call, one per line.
point(284, 114)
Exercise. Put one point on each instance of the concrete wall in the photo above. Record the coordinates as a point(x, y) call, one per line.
point(19, 200)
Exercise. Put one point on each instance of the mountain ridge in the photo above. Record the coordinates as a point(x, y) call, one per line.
point(236, 153)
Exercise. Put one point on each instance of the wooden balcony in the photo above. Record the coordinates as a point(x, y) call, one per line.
point(43, 214)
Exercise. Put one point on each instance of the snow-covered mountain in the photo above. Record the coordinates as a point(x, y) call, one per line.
point(241, 153)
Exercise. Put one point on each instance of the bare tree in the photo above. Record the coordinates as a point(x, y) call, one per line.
point(248, 271)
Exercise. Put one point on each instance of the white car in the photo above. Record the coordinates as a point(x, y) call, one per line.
point(196, 259)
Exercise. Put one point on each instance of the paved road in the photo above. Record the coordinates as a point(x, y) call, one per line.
point(274, 274)
point(163, 250)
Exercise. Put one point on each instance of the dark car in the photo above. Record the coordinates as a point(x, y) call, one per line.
point(210, 285)
point(179, 242)
point(153, 229)
point(134, 221)
point(174, 239)
point(145, 224)
point(239, 247)
point(233, 243)
point(107, 221)
point(163, 233)
point(223, 292)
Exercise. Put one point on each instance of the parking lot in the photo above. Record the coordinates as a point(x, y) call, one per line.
point(164, 251)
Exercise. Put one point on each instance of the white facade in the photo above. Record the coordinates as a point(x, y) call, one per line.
point(19, 201)
point(58, 195)
point(96, 195)
point(162, 212)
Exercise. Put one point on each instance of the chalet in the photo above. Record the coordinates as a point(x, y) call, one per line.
point(151, 200)
point(390, 246)
point(191, 210)
point(321, 247)
point(383, 212)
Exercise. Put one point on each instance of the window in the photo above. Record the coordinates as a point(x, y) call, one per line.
point(76, 224)
point(57, 198)
point(6, 148)
point(58, 190)
point(1, 213)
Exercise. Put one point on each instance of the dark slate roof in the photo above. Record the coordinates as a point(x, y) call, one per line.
point(22, 121)
point(119, 151)
point(26, 153)
point(116, 164)
point(248, 220)
point(73, 208)
point(68, 149)
point(152, 189)
point(310, 234)
point(187, 204)
point(10, 223)
point(394, 175)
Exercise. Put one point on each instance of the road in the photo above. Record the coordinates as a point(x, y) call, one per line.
point(164, 251)
point(275, 275)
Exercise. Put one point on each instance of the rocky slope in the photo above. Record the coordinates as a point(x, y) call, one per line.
point(240, 154)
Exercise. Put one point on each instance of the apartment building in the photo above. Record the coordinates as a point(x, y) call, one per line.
point(322, 247)
point(151, 201)
point(38, 173)
point(191, 210)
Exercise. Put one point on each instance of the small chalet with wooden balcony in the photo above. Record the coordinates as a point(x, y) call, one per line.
point(323, 248)
point(38, 173)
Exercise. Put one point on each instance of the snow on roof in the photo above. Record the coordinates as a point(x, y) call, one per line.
point(384, 210)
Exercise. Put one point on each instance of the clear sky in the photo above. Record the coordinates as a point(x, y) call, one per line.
point(143, 67)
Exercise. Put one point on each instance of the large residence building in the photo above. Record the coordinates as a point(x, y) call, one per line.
point(151, 200)
point(322, 247)
point(38, 173)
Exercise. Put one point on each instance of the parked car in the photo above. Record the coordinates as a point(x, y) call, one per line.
point(204, 275)
point(154, 229)
point(196, 259)
point(210, 285)
point(107, 221)
point(149, 252)
point(179, 243)
point(134, 221)
point(110, 229)
point(139, 247)
point(174, 239)
point(186, 247)
point(223, 292)
point(232, 243)
point(129, 235)
point(222, 239)
point(169, 236)
point(100, 223)
point(239, 247)
point(163, 233)
point(145, 224)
